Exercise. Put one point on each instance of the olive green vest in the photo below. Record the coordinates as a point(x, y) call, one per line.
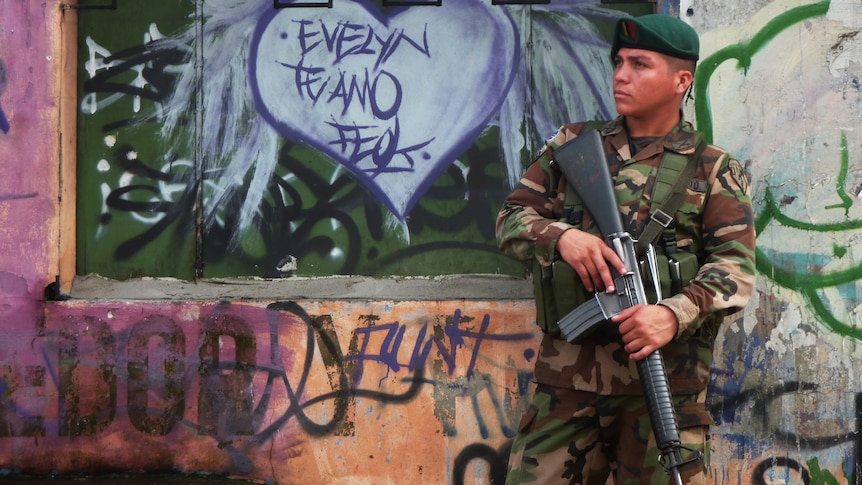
point(558, 289)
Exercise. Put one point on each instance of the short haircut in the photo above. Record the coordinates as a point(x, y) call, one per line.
point(675, 64)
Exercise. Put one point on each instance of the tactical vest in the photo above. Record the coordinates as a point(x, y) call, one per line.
point(558, 289)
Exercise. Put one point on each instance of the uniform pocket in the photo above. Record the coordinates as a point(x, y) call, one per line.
point(693, 414)
point(558, 290)
point(694, 422)
point(568, 289)
point(682, 268)
point(546, 305)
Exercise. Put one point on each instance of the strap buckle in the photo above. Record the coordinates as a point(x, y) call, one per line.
point(662, 218)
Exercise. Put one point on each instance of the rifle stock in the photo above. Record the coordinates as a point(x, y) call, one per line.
point(583, 162)
point(579, 159)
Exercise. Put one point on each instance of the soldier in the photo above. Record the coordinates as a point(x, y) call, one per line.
point(588, 419)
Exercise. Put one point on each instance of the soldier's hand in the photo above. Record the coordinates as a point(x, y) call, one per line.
point(590, 257)
point(646, 328)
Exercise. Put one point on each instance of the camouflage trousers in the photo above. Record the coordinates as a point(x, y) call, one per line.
point(577, 437)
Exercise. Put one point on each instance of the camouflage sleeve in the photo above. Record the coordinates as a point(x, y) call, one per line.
point(725, 282)
point(528, 225)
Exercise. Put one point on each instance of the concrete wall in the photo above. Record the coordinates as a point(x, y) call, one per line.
point(779, 89)
point(353, 382)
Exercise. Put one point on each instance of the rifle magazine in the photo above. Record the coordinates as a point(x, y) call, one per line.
point(582, 321)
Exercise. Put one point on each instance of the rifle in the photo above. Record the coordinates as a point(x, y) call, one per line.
point(583, 162)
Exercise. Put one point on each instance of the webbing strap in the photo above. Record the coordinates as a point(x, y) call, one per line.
point(674, 175)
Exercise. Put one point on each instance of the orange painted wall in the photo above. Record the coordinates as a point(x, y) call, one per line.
point(292, 392)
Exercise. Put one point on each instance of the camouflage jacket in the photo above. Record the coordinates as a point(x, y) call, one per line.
point(715, 222)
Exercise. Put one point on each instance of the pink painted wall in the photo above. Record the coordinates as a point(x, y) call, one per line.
point(29, 142)
point(431, 391)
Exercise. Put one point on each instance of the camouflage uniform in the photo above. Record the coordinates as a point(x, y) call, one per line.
point(597, 379)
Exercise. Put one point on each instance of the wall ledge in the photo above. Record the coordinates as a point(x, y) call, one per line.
point(452, 287)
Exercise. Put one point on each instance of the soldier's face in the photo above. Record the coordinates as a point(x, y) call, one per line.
point(644, 85)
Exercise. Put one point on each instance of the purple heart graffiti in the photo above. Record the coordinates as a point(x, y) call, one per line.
point(394, 98)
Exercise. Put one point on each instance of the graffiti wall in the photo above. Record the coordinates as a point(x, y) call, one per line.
point(232, 138)
point(780, 89)
point(279, 392)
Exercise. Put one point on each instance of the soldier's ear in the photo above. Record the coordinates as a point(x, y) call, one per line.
point(684, 78)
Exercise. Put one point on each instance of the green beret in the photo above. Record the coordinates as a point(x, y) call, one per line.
point(660, 33)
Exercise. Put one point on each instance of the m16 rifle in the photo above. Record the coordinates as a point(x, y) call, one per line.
point(584, 164)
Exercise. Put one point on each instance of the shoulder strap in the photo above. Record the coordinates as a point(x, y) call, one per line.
point(674, 175)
